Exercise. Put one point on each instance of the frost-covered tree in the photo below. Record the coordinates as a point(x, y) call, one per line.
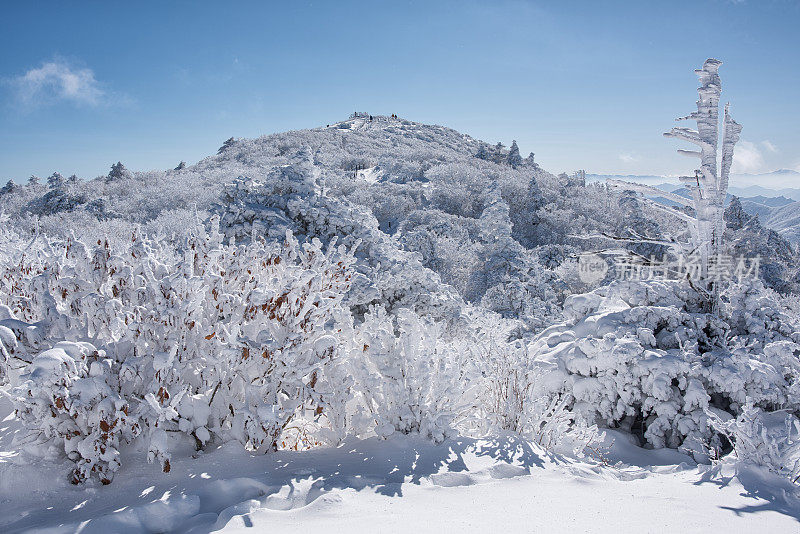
point(513, 158)
point(8, 188)
point(483, 151)
point(55, 180)
point(709, 185)
point(579, 178)
point(499, 152)
point(291, 198)
point(226, 145)
point(508, 280)
point(64, 196)
point(118, 172)
point(495, 220)
point(535, 194)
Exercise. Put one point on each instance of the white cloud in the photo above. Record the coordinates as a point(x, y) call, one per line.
point(628, 158)
point(769, 146)
point(747, 158)
point(57, 80)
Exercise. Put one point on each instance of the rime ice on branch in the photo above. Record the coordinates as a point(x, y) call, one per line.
point(709, 186)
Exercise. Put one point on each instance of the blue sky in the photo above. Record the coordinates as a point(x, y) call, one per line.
point(582, 85)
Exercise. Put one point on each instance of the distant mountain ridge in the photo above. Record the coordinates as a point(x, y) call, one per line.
point(778, 209)
point(789, 188)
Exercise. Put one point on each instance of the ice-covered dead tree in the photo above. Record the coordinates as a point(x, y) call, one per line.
point(709, 185)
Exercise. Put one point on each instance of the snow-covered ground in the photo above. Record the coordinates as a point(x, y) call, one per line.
point(371, 175)
point(502, 483)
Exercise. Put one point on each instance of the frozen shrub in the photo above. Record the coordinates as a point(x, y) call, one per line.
point(408, 379)
point(510, 385)
point(210, 341)
point(70, 394)
point(769, 440)
point(641, 356)
point(516, 395)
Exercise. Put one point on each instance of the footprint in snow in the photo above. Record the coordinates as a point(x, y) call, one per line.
point(507, 471)
point(449, 480)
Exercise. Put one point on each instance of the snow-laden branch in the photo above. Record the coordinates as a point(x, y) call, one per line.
point(687, 134)
point(649, 190)
point(633, 238)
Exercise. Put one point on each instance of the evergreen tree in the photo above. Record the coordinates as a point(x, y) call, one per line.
point(117, 172)
point(55, 180)
point(499, 152)
point(8, 188)
point(514, 159)
point(483, 151)
point(226, 145)
point(535, 196)
point(735, 216)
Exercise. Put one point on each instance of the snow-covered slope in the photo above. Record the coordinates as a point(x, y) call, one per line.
point(786, 221)
point(423, 184)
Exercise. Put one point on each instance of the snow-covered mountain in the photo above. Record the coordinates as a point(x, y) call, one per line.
point(431, 190)
point(422, 186)
point(786, 221)
point(774, 206)
point(409, 301)
point(785, 182)
point(782, 182)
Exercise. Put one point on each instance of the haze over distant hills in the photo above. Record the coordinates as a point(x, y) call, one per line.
point(783, 182)
point(773, 196)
